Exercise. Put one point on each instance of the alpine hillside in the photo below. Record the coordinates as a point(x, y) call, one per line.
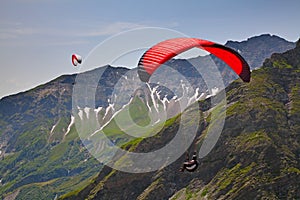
point(257, 155)
point(42, 156)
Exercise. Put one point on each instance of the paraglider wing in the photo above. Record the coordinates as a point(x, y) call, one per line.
point(165, 50)
point(76, 59)
point(232, 59)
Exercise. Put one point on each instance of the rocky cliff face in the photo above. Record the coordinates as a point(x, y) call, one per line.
point(256, 157)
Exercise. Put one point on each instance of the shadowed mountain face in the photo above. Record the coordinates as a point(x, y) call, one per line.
point(41, 154)
point(256, 157)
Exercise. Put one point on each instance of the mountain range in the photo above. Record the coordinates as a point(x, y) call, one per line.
point(42, 156)
point(256, 157)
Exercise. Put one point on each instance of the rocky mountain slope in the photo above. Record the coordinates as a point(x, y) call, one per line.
point(270, 44)
point(41, 155)
point(256, 157)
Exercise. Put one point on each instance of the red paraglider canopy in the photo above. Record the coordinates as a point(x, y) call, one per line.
point(163, 51)
point(76, 59)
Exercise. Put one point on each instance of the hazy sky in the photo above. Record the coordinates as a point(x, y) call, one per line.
point(37, 37)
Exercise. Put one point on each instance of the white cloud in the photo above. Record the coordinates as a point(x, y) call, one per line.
point(17, 30)
point(111, 29)
point(70, 42)
point(20, 34)
point(13, 30)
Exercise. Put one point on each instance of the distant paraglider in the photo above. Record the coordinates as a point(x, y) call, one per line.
point(76, 59)
point(160, 53)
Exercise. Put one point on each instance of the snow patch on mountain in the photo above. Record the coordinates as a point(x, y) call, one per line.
point(70, 125)
point(87, 112)
point(53, 127)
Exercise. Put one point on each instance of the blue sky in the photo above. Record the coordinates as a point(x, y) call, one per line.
point(37, 37)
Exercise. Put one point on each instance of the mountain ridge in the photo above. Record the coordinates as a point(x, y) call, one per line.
point(257, 155)
point(35, 144)
point(275, 42)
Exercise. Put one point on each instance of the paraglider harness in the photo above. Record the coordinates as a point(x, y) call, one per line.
point(190, 165)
